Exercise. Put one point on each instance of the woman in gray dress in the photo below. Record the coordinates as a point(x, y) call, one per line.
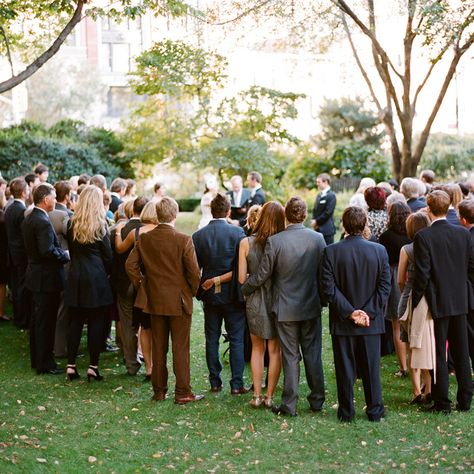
point(262, 327)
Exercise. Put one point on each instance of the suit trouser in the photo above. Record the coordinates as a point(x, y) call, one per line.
point(42, 329)
point(179, 327)
point(125, 302)
point(308, 336)
point(96, 323)
point(62, 324)
point(352, 355)
point(454, 329)
point(22, 304)
point(470, 337)
point(233, 316)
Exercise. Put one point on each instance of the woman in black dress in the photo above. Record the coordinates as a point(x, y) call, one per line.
point(393, 239)
point(88, 293)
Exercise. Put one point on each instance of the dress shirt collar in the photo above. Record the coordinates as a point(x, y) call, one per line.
point(42, 210)
point(325, 191)
point(255, 189)
point(237, 197)
point(438, 219)
point(19, 200)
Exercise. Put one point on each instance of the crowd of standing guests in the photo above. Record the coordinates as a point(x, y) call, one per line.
point(78, 254)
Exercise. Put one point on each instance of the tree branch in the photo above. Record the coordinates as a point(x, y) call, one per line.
point(48, 54)
point(238, 17)
point(7, 45)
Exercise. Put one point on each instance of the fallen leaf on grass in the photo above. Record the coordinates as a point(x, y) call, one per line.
point(117, 389)
point(92, 459)
point(157, 455)
point(41, 408)
point(41, 460)
point(238, 435)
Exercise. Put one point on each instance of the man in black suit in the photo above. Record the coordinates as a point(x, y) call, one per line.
point(44, 278)
point(291, 259)
point(466, 217)
point(117, 190)
point(257, 196)
point(238, 200)
point(217, 249)
point(444, 265)
point(323, 211)
point(14, 216)
point(125, 292)
point(355, 280)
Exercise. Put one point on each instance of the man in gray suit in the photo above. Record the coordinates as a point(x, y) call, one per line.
point(292, 259)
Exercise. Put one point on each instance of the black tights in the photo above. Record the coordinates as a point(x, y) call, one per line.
point(96, 322)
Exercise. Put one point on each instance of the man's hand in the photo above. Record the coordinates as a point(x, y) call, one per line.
point(208, 284)
point(314, 224)
point(360, 318)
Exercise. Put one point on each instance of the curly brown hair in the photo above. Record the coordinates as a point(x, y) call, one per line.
point(397, 217)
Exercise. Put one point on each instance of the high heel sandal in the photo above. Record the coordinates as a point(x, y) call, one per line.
point(268, 401)
point(93, 373)
point(257, 401)
point(72, 372)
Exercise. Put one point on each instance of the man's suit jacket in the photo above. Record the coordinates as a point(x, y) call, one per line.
point(14, 216)
point(291, 259)
point(118, 276)
point(415, 204)
point(217, 250)
point(444, 264)
point(323, 213)
point(45, 256)
point(171, 277)
point(59, 219)
point(239, 209)
point(355, 275)
point(114, 203)
point(257, 198)
point(62, 207)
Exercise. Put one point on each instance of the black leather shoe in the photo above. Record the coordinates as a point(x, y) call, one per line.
point(433, 409)
point(55, 371)
point(459, 408)
point(239, 391)
point(315, 410)
point(281, 410)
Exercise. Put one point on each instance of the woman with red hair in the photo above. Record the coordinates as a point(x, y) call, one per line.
point(377, 218)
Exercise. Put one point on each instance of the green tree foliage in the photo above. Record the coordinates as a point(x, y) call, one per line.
point(32, 31)
point(448, 155)
point(183, 122)
point(68, 148)
point(349, 145)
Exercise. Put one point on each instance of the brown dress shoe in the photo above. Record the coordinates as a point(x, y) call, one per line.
point(188, 399)
point(216, 388)
point(159, 397)
point(239, 391)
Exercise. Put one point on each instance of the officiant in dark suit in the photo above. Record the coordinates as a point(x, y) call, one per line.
point(355, 280)
point(323, 211)
point(44, 278)
point(238, 200)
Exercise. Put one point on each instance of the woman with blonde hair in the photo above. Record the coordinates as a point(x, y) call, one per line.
point(141, 320)
point(88, 294)
point(271, 220)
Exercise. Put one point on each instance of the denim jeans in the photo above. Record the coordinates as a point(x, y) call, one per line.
point(234, 321)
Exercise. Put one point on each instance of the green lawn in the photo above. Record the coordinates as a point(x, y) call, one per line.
point(50, 425)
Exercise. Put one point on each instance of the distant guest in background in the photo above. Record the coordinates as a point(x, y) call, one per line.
point(209, 194)
point(117, 190)
point(410, 188)
point(323, 211)
point(254, 181)
point(42, 172)
point(377, 217)
point(358, 198)
point(238, 200)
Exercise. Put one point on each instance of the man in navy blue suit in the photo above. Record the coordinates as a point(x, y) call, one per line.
point(355, 280)
point(217, 247)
